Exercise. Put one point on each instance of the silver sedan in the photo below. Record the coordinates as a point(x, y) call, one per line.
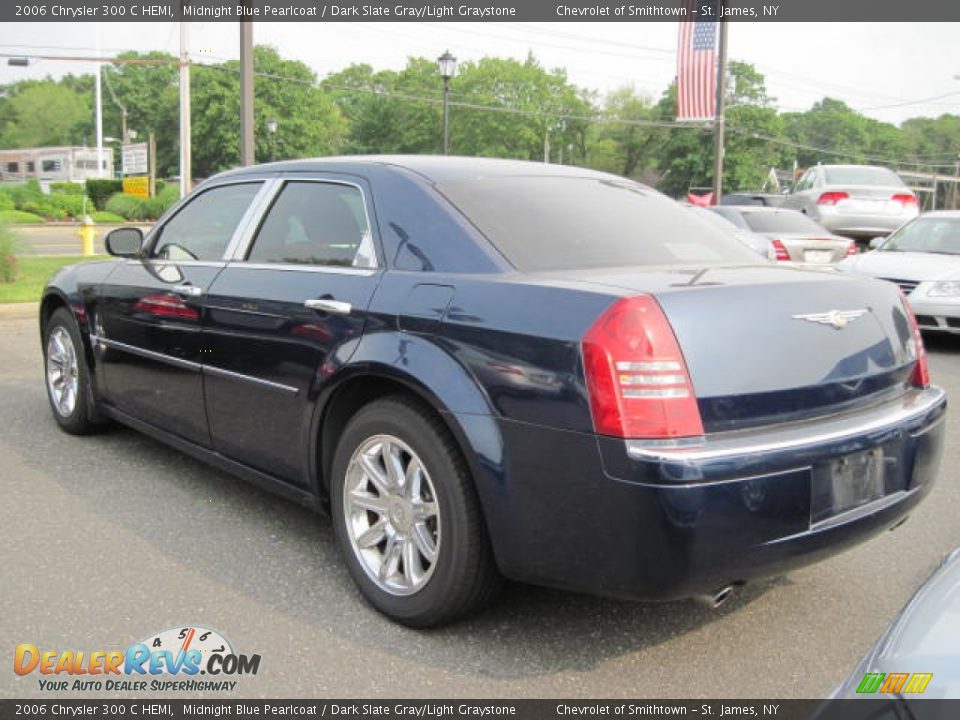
point(859, 201)
point(923, 258)
point(792, 237)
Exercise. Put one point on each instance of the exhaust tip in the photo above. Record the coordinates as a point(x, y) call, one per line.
point(720, 597)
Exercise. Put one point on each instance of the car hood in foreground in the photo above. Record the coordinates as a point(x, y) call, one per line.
point(923, 638)
point(904, 265)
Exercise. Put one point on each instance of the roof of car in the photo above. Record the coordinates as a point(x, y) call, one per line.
point(436, 168)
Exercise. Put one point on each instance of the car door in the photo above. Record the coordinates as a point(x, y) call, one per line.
point(149, 313)
point(287, 308)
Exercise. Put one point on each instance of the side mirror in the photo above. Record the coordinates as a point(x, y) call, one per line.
point(124, 242)
point(877, 242)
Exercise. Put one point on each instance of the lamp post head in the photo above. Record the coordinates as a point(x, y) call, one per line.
point(447, 64)
point(272, 126)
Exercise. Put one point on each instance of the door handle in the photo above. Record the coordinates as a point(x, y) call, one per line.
point(334, 307)
point(188, 290)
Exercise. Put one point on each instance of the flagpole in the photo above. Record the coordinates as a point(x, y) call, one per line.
point(718, 120)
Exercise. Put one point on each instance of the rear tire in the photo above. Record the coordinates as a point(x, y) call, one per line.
point(67, 375)
point(407, 518)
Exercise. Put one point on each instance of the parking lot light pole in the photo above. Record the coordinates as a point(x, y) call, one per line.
point(272, 126)
point(447, 64)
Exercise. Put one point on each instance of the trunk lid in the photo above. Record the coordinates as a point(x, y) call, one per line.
point(772, 344)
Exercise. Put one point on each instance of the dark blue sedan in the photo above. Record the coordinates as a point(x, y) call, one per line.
point(490, 369)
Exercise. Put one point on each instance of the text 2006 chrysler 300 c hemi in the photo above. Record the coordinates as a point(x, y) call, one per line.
point(492, 369)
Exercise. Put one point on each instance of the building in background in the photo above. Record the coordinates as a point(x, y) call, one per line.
point(54, 164)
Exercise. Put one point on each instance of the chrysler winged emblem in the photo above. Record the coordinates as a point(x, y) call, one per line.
point(839, 319)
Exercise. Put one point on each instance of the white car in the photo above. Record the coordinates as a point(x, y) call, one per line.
point(923, 258)
point(858, 201)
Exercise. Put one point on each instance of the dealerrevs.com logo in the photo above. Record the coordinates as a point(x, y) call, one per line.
point(171, 661)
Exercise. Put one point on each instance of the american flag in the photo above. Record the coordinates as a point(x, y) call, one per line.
point(697, 68)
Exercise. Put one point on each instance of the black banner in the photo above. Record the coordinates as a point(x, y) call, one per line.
point(474, 11)
point(893, 708)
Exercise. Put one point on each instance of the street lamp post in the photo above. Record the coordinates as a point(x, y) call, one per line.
point(448, 69)
point(272, 129)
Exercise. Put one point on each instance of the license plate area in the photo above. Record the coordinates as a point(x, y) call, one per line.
point(846, 483)
point(819, 257)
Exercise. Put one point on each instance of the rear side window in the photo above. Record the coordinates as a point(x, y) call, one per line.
point(785, 221)
point(202, 228)
point(864, 175)
point(554, 223)
point(316, 223)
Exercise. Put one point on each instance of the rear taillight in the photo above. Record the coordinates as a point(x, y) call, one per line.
point(780, 253)
point(920, 377)
point(905, 199)
point(851, 249)
point(636, 376)
point(832, 197)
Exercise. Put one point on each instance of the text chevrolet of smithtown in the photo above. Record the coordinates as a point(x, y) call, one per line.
point(489, 369)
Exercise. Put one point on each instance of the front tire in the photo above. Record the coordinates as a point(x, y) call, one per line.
point(407, 518)
point(67, 376)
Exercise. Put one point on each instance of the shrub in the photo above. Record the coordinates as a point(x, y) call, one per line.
point(70, 205)
point(157, 206)
point(43, 208)
point(6, 201)
point(66, 188)
point(24, 193)
point(18, 216)
point(102, 216)
point(9, 247)
point(129, 206)
point(100, 191)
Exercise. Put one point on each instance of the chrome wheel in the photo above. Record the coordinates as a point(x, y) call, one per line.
point(391, 513)
point(62, 371)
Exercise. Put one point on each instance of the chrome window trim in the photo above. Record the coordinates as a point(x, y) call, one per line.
point(885, 418)
point(149, 354)
point(179, 263)
point(242, 249)
point(296, 267)
point(157, 230)
point(231, 375)
point(251, 218)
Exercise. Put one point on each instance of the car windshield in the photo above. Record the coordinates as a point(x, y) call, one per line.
point(785, 221)
point(927, 235)
point(559, 223)
point(864, 175)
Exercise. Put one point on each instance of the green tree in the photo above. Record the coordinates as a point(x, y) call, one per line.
point(309, 124)
point(615, 144)
point(686, 158)
point(43, 113)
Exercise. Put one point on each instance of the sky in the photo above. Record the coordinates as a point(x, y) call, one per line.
point(888, 71)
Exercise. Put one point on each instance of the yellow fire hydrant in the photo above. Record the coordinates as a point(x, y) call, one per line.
point(87, 232)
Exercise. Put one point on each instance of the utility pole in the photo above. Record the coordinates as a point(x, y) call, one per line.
point(98, 93)
point(246, 94)
point(186, 180)
point(718, 121)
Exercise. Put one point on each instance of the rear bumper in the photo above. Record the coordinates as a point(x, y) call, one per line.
point(859, 224)
point(606, 517)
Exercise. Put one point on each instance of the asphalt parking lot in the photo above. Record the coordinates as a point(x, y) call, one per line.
point(110, 538)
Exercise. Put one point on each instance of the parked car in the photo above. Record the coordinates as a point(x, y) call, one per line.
point(793, 237)
point(923, 258)
point(489, 368)
point(916, 658)
point(858, 201)
point(758, 243)
point(752, 199)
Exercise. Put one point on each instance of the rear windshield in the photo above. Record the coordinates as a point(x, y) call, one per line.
point(552, 223)
point(929, 235)
point(861, 176)
point(786, 221)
